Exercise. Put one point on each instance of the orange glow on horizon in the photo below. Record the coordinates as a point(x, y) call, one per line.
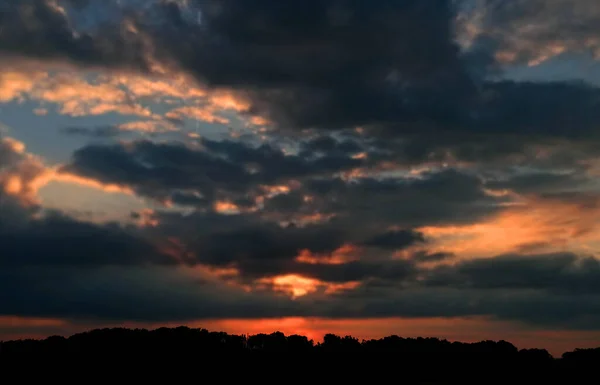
point(471, 329)
point(16, 321)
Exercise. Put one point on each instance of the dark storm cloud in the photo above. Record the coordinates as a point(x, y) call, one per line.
point(541, 182)
point(264, 242)
point(395, 239)
point(553, 109)
point(157, 170)
point(167, 295)
point(324, 63)
point(58, 240)
point(569, 312)
point(341, 64)
point(39, 29)
point(362, 210)
point(529, 29)
point(329, 145)
point(160, 169)
point(391, 64)
point(396, 271)
point(273, 164)
point(555, 273)
point(447, 196)
point(132, 293)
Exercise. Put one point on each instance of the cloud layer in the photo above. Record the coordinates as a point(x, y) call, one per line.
point(350, 160)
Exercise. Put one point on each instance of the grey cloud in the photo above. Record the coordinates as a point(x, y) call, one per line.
point(530, 29)
point(555, 273)
point(329, 145)
point(32, 236)
point(448, 196)
point(37, 28)
point(395, 239)
point(96, 132)
point(309, 64)
point(542, 182)
point(133, 293)
point(57, 240)
point(326, 64)
point(158, 170)
point(359, 271)
point(400, 87)
point(171, 170)
point(264, 242)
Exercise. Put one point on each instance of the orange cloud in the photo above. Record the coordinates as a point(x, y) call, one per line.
point(19, 177)
point(223, 207)
point(52, 175)
point(297, 286)
point(344, 254)
point(76, 94)
point(533, 225)
point(259, 121)
point(272, 191)
point(78, 97)
point(175, 86)
point(202, 113)
point(15, 85)
point(148, 126)
point(228, 101)
point(292, 284)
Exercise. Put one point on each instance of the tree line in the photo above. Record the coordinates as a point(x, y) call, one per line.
point(343, 358)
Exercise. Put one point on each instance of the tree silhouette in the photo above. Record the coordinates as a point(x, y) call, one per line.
point(187, 353)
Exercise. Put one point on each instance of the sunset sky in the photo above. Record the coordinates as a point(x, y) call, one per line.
point(410, 167)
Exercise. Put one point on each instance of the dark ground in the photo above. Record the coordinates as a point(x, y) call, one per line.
point(184, 355)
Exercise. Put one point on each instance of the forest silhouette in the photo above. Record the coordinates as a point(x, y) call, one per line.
point(187, 355)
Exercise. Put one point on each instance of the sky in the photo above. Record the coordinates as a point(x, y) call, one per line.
point(355, 167)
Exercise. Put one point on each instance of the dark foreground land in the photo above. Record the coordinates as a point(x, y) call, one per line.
point(197, 356)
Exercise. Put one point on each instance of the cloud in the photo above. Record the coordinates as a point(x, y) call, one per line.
point(14, 84)
point(395, 156)
point(19, 172)
point(527, 31)
point(395, 239)
point(159, 294)
point(160, 170)
point(542, 182)
point(79, 97)
point(58, 240)
point(32, 236)
point(311, 69)
point(558, 273)
point(145, 127)
point(44, 30)
point(96, 132)
point(66, 268)
point(283, 80)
